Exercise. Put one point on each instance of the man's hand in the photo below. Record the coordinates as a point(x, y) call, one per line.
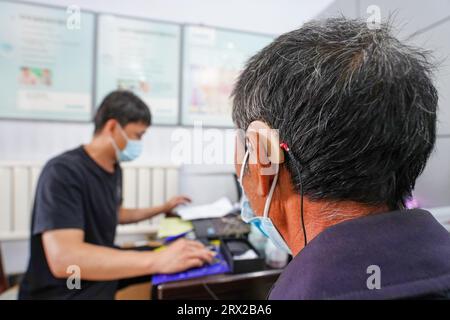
point(136, 215)
point(182, 255)
point(174, 202)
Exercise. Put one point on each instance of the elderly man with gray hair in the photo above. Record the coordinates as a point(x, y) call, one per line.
point(355, 114)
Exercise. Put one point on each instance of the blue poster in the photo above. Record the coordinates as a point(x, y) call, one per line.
point(46, 62)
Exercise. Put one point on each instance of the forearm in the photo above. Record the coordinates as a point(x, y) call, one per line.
point(102, 263)
point(136, 215)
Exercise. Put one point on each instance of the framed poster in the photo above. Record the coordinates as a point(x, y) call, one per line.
point(212, 61)
point(141, 56)
point(46, 62)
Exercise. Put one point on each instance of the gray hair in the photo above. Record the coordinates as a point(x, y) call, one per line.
point(356, 106)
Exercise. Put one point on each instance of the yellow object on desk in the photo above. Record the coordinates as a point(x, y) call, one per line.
point(173, 226)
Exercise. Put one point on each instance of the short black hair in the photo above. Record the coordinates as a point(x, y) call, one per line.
point(123, 106)
point(356, 106)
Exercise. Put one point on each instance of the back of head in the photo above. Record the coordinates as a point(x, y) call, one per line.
point(356, 106)
point(123, 106)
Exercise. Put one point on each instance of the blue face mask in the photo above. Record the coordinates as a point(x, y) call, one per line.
point(133, 148)
point(264, 223)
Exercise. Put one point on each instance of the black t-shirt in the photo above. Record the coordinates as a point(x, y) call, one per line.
point(73, 191)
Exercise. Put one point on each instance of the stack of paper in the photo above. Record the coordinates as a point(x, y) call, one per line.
point(173, 226)
point(217, 209)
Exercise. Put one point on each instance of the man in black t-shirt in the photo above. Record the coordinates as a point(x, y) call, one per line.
point(77, 208)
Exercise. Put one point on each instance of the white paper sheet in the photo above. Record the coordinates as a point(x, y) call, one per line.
point(217, 209)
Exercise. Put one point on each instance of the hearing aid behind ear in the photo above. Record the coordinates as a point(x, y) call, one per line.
point(268, 138)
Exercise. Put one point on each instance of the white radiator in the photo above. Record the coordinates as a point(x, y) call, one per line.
point(143, 186)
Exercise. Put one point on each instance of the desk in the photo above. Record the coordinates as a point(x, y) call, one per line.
point(252, 285)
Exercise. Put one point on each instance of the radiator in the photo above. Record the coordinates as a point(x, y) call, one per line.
point(143, 186)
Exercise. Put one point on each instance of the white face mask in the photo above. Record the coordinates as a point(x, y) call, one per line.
point(264, 223)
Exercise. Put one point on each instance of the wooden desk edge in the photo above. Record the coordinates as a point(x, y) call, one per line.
point(219, 278)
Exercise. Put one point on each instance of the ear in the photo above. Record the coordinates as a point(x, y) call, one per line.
point(109, 126)
point(266, 155)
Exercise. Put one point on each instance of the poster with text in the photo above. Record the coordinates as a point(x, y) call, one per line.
point(141, 56)
point(212, 61)
point(46, 62)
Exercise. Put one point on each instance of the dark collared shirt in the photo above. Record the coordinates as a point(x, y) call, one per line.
point(408, 250)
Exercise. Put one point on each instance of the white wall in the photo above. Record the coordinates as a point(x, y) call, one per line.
point(38, 141)
point(424, 24)
point(41, 140)
point(267, 16)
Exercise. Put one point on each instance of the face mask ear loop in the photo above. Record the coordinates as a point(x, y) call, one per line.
point(269, 197)
point(272, 187)
point(241, 175)
point(285, 147)
point(124, 135)
point(115, 147)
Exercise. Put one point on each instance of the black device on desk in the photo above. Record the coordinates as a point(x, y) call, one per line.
point(235, 252)
point(216, 228)
point(250, 278)
point(230, 226)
